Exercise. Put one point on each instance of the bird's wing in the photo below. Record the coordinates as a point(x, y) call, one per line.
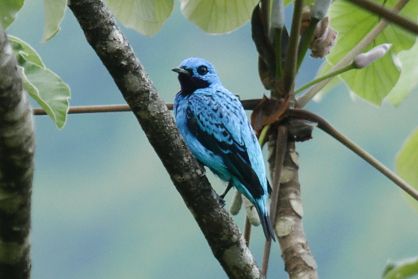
point(219, 122)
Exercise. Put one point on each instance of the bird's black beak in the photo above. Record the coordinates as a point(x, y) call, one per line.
point(181, 71)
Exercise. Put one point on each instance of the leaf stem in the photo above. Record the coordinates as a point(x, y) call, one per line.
point(324, 77)
point(262, 137)
point(292, 51)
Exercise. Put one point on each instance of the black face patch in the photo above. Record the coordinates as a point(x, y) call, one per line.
point(202, 70)
point(190, 83)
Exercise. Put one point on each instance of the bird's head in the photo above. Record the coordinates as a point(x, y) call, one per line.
point(195, 73)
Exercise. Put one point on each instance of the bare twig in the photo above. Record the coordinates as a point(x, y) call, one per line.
point(247, 231)
point(387, 14)
point(329, 129)
point(248, 104)
point(17, 146)
point(223, 236)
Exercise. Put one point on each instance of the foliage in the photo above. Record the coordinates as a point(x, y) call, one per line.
point(145, 16)
point(407, 161)
point(401, 270)
point(8, 11)
point(43, 85)
point(54, 14)
point(375, 82)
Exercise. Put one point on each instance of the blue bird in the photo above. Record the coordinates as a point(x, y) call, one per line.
point(215, 127)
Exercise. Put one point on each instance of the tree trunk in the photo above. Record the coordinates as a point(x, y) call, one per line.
point(16, 168)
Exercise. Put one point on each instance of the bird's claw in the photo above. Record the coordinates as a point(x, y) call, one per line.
point(222, 200)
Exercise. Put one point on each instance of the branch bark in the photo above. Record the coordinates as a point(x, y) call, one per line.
point(222, 234)
point(16, 168)
point(297, 256)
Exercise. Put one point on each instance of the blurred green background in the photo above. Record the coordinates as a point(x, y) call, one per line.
point(104, 207)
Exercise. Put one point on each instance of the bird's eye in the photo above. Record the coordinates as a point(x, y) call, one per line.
point(202, 70)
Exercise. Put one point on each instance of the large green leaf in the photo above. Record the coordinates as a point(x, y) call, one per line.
point(54, 14)
point(25, 52)
point(144, 16)
point(49, 90)
point(407, 161)
point(218, 16)
point(352, 23)
point(8, 11)
point(408, 80)
point(43, 85)
point(401, 269)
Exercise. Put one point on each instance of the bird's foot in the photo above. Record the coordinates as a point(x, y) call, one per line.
point(221, 200)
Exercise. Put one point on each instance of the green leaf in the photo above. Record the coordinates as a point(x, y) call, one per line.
point(144, 16)
point(25, 52)
point(373, 82)
point(406, 162)
point(401, 270)
point(49, 90)
point(218, 16)
point(306, 2)
point(408, 80)
point(54, 14)
point(8, 11)
point(43, 85)
point(352, 24)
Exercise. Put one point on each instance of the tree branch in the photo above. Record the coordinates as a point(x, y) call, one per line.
point(297, 256)
point(248, 104)
point(222, 234)
point(329, 129)
point(387, 14)
point(293, 113)
point(16, 168)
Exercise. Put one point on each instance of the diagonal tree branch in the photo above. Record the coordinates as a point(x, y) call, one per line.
point(330, 130)
point(387, 14)
point(222, 234)
point(16, 168)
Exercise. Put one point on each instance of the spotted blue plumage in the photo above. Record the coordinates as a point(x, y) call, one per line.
point(215, 127)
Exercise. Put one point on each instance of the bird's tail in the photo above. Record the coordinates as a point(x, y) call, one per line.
point(265, 220)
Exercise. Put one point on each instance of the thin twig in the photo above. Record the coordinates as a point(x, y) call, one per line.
point(329, 129)
point(303, 100)
point(387, 14)
point(295, 113)
point(292, 51)
point(279, 153)
point(248, 104)
point(247, 231)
